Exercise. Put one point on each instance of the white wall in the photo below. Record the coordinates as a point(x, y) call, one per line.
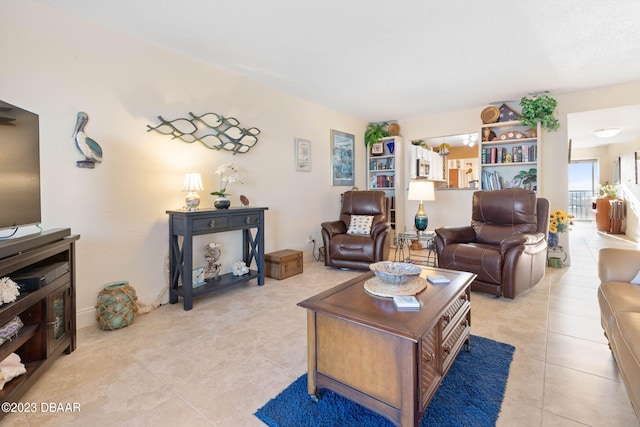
point(556, 143)
point(57, 65)
point(553, 179)
point(629, 189)
point(449, 123)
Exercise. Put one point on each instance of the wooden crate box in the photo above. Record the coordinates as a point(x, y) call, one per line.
point(282, 264)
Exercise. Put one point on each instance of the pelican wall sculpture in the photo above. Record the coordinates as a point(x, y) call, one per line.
point(87, 146)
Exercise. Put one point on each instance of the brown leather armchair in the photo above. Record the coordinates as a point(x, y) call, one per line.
point(505, 245)
point(359, 250)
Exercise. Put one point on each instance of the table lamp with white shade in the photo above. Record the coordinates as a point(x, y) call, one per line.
point(421, 190)
point(192, 184)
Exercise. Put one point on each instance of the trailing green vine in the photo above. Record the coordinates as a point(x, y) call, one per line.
point(539, 109)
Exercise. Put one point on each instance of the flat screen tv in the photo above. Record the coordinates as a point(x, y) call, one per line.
point(19, 167)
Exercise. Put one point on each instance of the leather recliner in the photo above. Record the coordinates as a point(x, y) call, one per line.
point(358, 251)
point(505, 245)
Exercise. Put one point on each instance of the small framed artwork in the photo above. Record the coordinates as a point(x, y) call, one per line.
point(377, 148)
point(198, 277)
point(342, 159)
point(302, 155)
point(422, 168)
point(616, 170)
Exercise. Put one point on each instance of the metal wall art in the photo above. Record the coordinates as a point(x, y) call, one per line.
point(211, 130)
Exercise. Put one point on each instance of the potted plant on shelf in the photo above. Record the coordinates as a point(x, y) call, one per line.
point(527, 178)
point(539, 109)
point(374, 133)
point(228, 173)
point(609, 190)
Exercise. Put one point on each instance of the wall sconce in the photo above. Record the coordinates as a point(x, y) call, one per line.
point(421, 190)
point(192, 184)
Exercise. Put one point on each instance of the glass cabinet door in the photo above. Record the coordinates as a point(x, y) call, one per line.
point(58, 318)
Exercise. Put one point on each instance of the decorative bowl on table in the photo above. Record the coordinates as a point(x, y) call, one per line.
point(395, 273)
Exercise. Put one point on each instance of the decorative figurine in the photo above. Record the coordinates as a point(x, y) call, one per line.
point(212, 255)
point(87, 146)
point(240, 268)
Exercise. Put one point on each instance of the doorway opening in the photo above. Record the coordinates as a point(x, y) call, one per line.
point(583, 187)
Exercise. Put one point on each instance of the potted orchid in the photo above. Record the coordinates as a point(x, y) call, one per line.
point(228, 173)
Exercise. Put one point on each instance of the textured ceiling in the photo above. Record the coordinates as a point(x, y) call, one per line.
point(385, 60)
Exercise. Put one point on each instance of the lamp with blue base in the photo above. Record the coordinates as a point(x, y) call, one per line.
point(421, 190)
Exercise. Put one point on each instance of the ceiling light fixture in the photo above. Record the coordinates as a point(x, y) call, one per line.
point(469, 140)
point(606, 133)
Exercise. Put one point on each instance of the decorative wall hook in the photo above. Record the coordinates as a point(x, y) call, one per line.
point(211, 130)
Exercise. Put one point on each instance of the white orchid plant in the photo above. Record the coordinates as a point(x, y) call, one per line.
point(228, 173)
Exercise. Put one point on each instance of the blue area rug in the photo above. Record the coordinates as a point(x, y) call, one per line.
point(470, 395)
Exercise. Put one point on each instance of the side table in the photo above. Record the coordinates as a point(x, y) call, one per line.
point(187, 224)
point(427, 237)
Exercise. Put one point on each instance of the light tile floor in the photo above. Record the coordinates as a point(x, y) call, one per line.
point(218, 363)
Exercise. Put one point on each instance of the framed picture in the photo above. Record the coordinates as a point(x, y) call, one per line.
point(342, 158)
point(302, 155)
point(637, 163)
point(377, 148)
point(423, 168)
point(616, 170)
point(197, 279)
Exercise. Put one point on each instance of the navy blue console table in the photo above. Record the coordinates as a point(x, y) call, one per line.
point(187, 224)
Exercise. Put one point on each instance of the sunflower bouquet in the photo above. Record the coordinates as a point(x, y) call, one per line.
point(560, 221)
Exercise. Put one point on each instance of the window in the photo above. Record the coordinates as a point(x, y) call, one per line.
point(583, 185)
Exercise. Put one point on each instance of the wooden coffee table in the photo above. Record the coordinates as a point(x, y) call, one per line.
point(390, 361)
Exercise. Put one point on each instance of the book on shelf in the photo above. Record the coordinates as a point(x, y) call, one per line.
point(492, 180)
point(406, 302)
point(381, 164)
point(437, 279)
point(515, 154)
point(384, 181)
